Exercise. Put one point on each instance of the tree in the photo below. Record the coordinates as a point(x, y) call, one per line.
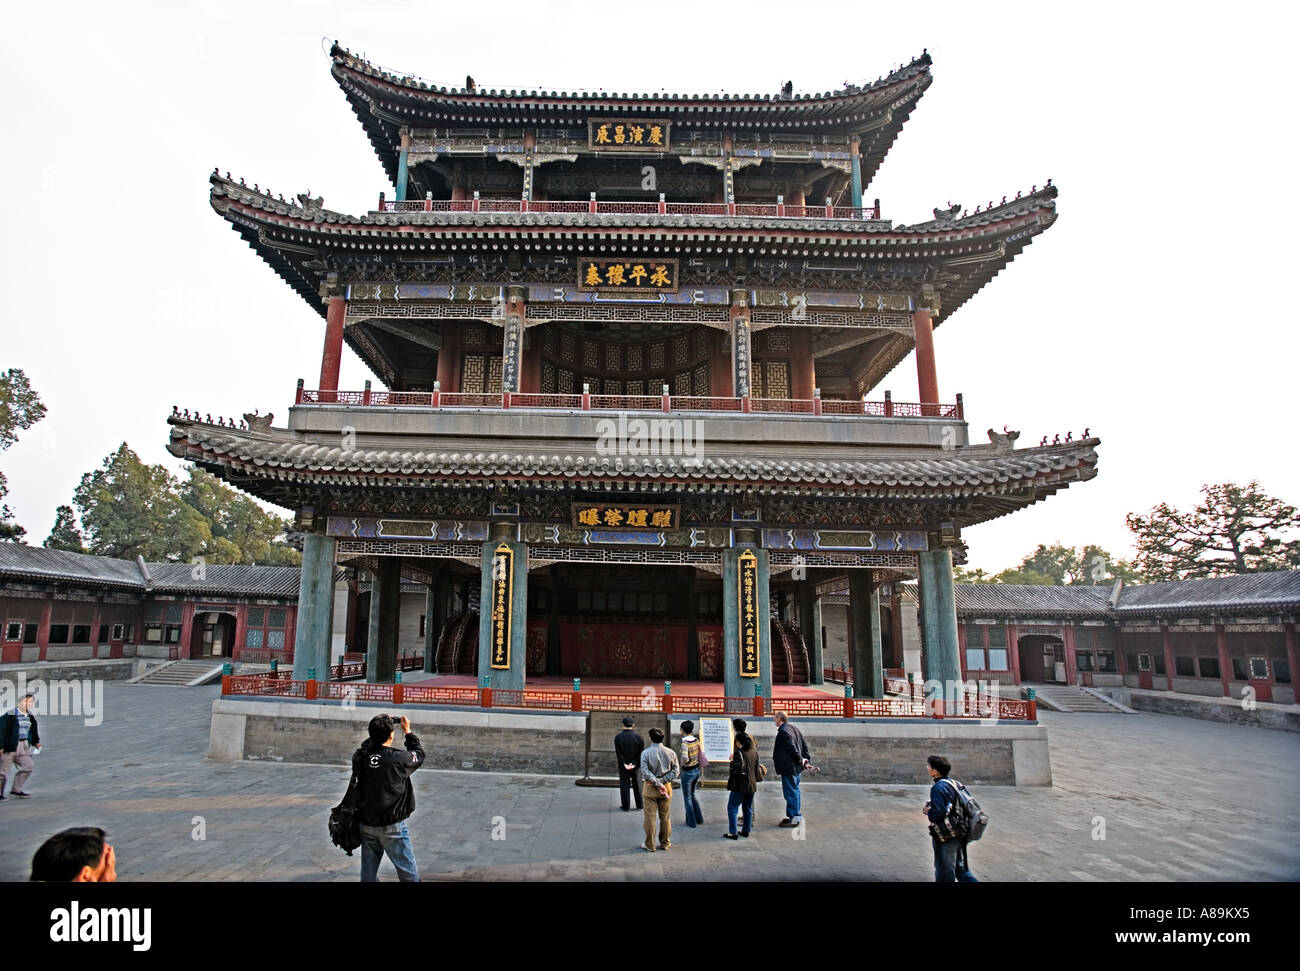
point(242, 532)
point(1057, 565)
point(1234, 529)
point(130, 509)
point(65, 535)
point(20, 409)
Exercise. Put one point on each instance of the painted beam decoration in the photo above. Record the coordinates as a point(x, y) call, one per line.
point(627, 135)
point(747, 591)
point(624, 516)
point(503, 578)
point(628, 276)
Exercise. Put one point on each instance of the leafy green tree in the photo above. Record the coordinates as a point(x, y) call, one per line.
point(131, 509)
point(65, 535)
point(1234, 529)
point(242, 532)
point(1057, 565)
point(20, 409)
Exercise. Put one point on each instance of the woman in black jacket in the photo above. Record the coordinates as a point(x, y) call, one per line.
point(742, 783)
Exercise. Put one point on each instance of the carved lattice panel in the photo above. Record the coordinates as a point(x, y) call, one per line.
point(548, 378)
point(565, 383)
point(567, 348)
point(681, 350)
point(682, 383)
point(776, 382)
point(590, 354)
point(636, 387)
point(613, 357)
point(701, 381)
point(635, 357)
point(657, 355)
point(471, 374)
point(777, 340)
point(493, 375)
point(475, 335)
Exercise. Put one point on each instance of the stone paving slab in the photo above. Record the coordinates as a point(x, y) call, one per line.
point(1180, 799)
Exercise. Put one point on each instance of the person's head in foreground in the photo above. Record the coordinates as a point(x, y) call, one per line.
point(79, 855)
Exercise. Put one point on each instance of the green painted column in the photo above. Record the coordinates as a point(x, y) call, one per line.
point(504, 589)
point(856, 162)
point(940, 660)
point(385, 613)
point(810, 625)
point(864, 621)
point(401, 165)
point(435, 612)
point(315, 623)
point(735, 685)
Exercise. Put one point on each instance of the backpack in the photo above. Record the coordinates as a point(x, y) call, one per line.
point(975, 819)
point(345, 824)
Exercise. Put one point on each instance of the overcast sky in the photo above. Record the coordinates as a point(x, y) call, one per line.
point(1154, 311)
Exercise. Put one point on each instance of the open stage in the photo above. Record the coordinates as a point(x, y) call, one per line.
point(621, 686)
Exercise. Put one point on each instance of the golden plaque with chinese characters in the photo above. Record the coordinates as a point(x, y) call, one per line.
point(627, 135)
point(632, 275)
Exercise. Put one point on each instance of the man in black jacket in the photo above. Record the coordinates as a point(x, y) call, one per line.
point(790, 757)
point(19, 739)
point(386, 798)
point(628, 746)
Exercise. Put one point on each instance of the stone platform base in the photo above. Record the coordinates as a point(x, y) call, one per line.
point(1283, 718)
point(554, 743)
point(103, 669)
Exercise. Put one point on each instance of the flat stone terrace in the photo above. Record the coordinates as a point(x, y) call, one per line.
point(1180, 799)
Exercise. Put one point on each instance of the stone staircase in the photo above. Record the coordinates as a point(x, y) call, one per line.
point(183, 673)
point(1068, 697)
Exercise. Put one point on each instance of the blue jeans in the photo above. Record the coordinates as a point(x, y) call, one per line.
point(690, 780)
point(736, 801)
point(950, 863)
point(793, 801)
point(395, 840)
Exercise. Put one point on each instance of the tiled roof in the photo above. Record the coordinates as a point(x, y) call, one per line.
point(1014, 599)
point(19, 562)
point(1246, 593)
point(1261, 591)
point(975, 471)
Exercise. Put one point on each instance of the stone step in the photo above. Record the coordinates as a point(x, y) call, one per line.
point(1071, 698)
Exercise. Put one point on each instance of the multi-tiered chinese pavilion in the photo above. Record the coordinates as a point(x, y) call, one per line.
point(630, 345)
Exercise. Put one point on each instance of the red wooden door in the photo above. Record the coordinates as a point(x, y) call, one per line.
point(1144, 670)
point(1260, 678)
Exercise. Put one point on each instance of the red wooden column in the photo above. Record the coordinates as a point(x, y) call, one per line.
point(1067, 636)
point(43, 627)
point(449, 357)
point(802, 377)
point(332, 356)
point(94, 626)
point(1292, 653)
point(720, 380)
point(1169, 657)
point(530, 378)
point(241, 631)
point(927, 378)
point(187, 630)
point(961, 650)
point(1225, 663)
point(1013, 651)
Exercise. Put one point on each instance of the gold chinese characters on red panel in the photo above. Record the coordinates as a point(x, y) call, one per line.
point(627, 275)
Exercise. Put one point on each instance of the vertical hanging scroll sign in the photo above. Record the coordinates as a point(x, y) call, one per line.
point(747, 590)
point(503, 562)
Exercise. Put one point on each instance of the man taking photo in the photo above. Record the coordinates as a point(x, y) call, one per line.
point(386, 798)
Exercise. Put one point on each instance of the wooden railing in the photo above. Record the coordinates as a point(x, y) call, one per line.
point(579, 701)
point(776, 210)
point(853, 408)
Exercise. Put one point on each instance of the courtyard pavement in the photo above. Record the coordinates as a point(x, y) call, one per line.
point(1177, 798)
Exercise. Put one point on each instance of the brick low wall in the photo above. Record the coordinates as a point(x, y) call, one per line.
point(115, 669)
point(1283, 718)
point(852, 751)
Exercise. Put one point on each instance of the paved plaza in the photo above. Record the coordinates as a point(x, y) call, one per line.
point(1180, 799)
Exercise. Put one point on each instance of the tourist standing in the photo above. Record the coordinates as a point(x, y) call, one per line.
point(742, 783)
point(659, 767)
point(628, 746)
point(790, 757)
point(692, 766)
point(946, 818)
point(386, 798)
point(19, 741)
